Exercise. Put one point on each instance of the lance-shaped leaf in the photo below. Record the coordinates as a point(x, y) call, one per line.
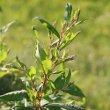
point(76, 15)
point(35, 32)
point(6, 27)
point(56, 72)
point(72, 89)
point(53, 108)
point(32, 72)
point(54, 44)
point(60, 81)
point(40, 56)
point(68, 77)
point(69, 38)
point(37, 54)
point(48, 25)
point(22, 108)
point(79, 22)
point(26, 82)
point(14, 96)
point(21, 64)
point(54, 53)
point(47, 65)
point(51, 84)
point(65, 106)
point(40, 53)
point(68, 12)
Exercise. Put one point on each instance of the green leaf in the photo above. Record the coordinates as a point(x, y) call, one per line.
point(32, 72)
point(26, 82)
point(35, 32)
point(54, 53)
point(52, 84)
point(72, 89)
point(6, 27)
point(59, 82)
point(40, 56)
point(21, 64)
point(40, 53)
point(54, 44)
point(48, 25)
point(69, 38)
point(54, 108)
point(67, 15)
point(79, 22)
point(22, 108)
point(65, 106)
point(68, 77)
point(47, 65)
point(14, 96)
point(57, 72)
point(76, 15)
point(31, 93)
point(13, 65)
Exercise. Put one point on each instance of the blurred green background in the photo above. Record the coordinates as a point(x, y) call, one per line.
point(92, 46)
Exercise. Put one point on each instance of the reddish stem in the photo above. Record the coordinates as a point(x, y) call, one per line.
point(43, 86)
point(51, 40)
point(58, 44)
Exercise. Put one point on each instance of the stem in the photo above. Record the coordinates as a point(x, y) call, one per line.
point(58, 44)
point(51, 40)
point(65, 32)
point(43, 84)
point(69, 58)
